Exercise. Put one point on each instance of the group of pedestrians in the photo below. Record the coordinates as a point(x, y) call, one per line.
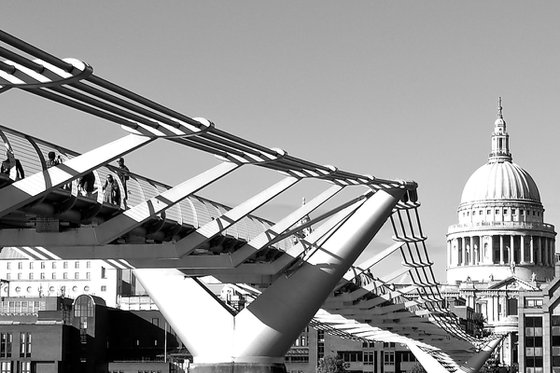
point(12, 170)
point(111, 190)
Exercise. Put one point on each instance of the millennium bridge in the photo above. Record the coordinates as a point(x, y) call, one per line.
point(300, 269)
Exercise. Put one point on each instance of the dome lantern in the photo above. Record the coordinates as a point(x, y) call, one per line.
point(500, 139)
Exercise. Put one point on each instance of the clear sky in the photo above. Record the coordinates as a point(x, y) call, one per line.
point(396, 89)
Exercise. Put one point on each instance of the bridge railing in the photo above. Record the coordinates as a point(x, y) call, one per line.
point(194, 211)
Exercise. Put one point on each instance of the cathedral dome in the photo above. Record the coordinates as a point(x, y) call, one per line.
point(500, 180)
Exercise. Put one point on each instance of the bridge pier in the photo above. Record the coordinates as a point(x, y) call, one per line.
point(257, 338)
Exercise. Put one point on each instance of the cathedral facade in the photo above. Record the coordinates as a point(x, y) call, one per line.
point(501, 244)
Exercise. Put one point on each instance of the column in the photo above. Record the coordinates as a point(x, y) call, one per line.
point(511, 250)
point(472, 251)
point(522, 242)
point(464, 258)
point(539, 251)
point(532, 259)
point(490, 309)
point(501, 249)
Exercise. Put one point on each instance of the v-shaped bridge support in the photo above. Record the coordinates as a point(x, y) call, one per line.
point(258, 337)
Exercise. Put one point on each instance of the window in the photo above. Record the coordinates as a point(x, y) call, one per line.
point(42, 275)
point(497, 211)
point(76, 264)
point(8, 265)
point(389, 357)
point(24, 366)
point(20, 265)
point(25, 345)
point(88, 264)
point(6, 367)
point(53, 276)
point(87, 276)
point(65, 265)
point(76, 275)
point(533, 302)
point(53, 265)
point(43, 265)
point(30, 265)
point(5, 344)
point(351, 356)
point(480, 212)
point(103, 273)
point(369, 358)
point(65, 275)
point(505, 211)
point(103, 288)
point(533, 343)
point(19, 276)
point(8, 276)
point(488, 212)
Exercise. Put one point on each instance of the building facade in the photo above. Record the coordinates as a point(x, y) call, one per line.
point(501, 245)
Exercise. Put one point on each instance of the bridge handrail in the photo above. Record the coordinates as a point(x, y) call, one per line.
point(31, 152)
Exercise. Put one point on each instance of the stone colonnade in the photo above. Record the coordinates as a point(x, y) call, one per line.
point(470, 250)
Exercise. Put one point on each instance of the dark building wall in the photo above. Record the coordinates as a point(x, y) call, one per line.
point(137, 335)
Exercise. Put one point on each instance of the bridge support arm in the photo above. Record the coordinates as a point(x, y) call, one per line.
point(270, 324)
point(476, 362)
point(258, 337)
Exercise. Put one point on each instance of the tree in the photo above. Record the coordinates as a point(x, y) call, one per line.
point(330, 364)
point(479, 321)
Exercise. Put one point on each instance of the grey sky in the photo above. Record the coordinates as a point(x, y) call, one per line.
point(390, 88)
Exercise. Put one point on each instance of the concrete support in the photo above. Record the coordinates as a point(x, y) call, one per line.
point(474, 364)
point(261, 334)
